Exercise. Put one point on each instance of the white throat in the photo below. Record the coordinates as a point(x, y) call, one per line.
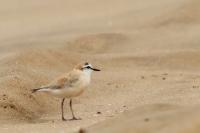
point(87, 72)
point(86, 77)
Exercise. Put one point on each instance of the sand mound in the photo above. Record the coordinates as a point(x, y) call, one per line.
point(180, 60)
point(187, 13)
point(159, 118)
point(96, 43)
point(25, 71)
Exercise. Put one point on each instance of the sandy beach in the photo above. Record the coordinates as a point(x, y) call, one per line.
point(148, 51)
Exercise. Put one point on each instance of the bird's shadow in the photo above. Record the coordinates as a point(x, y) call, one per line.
point(43, 120)
point(49, 120)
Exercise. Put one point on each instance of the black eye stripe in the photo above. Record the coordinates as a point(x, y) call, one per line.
point(88, 67)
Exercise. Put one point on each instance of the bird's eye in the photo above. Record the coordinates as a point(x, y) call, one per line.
point(88, 67)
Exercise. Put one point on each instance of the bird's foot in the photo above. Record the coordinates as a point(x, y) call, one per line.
point(74, 118)
point(63, 119)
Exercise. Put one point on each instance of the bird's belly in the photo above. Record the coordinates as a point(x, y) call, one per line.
point(68, 92)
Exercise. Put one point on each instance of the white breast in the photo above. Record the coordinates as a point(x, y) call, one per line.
point(85, 78)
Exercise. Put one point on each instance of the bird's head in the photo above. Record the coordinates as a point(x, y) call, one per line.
point(86, 67)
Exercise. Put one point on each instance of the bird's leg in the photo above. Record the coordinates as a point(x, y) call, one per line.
point(74, 118)
point(62, 104)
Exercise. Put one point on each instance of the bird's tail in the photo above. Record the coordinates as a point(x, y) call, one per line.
point(35, 90)
point(39, 89)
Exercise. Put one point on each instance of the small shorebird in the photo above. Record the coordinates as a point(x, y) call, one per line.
point(70, 85)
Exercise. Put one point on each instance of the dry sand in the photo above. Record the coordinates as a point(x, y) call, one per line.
point(148, 51)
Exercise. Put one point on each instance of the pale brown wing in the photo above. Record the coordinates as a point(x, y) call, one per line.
point(68, 81)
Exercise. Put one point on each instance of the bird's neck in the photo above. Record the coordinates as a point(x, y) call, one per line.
point(86, 76)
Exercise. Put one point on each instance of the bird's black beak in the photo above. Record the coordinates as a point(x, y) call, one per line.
point(94, 69)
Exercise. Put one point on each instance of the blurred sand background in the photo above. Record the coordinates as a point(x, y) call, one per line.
point(148, 50)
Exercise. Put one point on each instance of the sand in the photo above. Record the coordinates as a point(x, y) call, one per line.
point(148, 52)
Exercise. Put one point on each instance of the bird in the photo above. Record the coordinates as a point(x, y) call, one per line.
point(69, 85)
